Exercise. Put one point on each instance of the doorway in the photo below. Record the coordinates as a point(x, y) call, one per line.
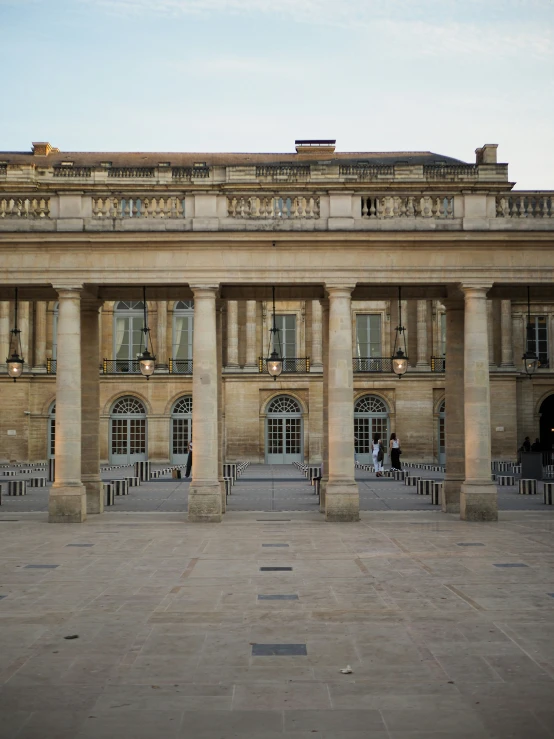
point(128, 431)
point(283, 438)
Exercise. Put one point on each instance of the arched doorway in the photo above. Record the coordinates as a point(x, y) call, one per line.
point(283, 438)
point(547, 428)
point(371, 416)
point(127, 431)
point(181, 429)
point(441, 443)
point(52, 431)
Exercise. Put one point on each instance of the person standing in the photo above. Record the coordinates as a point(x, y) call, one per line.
point(395, 452)
point(377, 453)
point(189, 461)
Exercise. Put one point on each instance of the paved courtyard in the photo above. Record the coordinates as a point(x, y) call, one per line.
point(139, 625)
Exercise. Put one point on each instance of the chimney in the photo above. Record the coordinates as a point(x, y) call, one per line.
point(315, 148)
point(43, 148)
point(486, 154)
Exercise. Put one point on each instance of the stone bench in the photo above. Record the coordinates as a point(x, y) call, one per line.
point(527, 487)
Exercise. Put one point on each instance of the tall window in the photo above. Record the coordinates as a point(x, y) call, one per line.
point(183, 325)
point(442, 345)
point(539, 342)
point(368, 334)
point(287, 332)
point(55, 331)
point(128, 324)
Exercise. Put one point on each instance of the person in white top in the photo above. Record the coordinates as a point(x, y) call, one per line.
point(378, 455)
point(394, 446)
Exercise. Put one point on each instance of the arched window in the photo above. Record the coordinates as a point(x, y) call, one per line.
point(127, 330)
point(128, 431)
point(183, 325)
point(181, 429)
point(284, 431)
point(371, 416)
point(52, 431)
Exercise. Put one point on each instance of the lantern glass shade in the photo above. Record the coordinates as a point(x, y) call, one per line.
point(15, 366)
point(274, 364)
point(147, 364)
point(530, 362)
point(400, 363)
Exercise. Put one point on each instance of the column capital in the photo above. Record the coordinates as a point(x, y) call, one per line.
point(68, 291)
point(204, 291)
point(339, 290)
point(475, 289)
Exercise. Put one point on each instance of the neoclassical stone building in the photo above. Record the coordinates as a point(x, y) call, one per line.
point(208, 236)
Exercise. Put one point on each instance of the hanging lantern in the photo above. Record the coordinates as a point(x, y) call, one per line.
point(14, 363)
point(275, 359)
point(147, 361)
point(399, 357)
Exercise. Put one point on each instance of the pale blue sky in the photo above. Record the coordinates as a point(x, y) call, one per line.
point(253, 75)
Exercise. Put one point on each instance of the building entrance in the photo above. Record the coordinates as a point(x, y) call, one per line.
point(283, 438)
point(128, 431)
point(181, 429)
point(371, 416)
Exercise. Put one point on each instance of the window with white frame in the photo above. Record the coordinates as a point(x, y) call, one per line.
point(368, 335)
point(287, 334)
point(128, 325)
point(538, 339)
point(183, 326)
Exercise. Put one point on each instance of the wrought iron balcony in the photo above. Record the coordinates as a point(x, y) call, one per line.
point(290, 365)
point(120, 367)
point(180, 366)
point(51, 366)
point(372, 364)
point(438, 364)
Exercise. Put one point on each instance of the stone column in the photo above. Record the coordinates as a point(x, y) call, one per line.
point(478, 498)
point(205, 491)
point(422, 358)
point(506, 328)
point(220, 406)
point(67, 503)
point(90, 405)
point(251, 360)
point(342, 502)
point(233, 333)
point(316, 359)
point(40, 334)
point(161, 330)
point(454, 406)
point(490, 332)
point(325, 420)
point(24, 326)
point(4, 330)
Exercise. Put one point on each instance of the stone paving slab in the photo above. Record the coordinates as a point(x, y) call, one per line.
point(441, 641)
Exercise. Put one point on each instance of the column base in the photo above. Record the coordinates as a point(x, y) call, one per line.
point(479, 502)
point(451, 489)
point(342, 502)
point(204, 502)
point(67, 504)
point(322, 493)
point(95, 495)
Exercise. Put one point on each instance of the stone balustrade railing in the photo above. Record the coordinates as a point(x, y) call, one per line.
point(408, 206)
point(273, 207)
point(138, 207)
point(525, 205)
point(24, 207)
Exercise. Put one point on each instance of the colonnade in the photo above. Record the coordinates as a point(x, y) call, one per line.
point(468, 488)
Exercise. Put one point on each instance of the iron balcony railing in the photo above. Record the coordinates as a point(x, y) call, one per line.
point(290, 364)
point(51, 366)
point(372, 364)
point(438, 364)
point(120, 367)
point(180, 366)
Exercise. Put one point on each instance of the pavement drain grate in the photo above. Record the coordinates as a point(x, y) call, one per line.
point(274, 545)
point(511, 564)
point(79, 545)
point(275, 569)
point(40, 567)
point(469, 544)
point(278, 597)
point(279, 650)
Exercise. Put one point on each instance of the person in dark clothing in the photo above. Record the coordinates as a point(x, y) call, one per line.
point(536, 446)
point(526, 446)
point(189, 461)
point(395, 452)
